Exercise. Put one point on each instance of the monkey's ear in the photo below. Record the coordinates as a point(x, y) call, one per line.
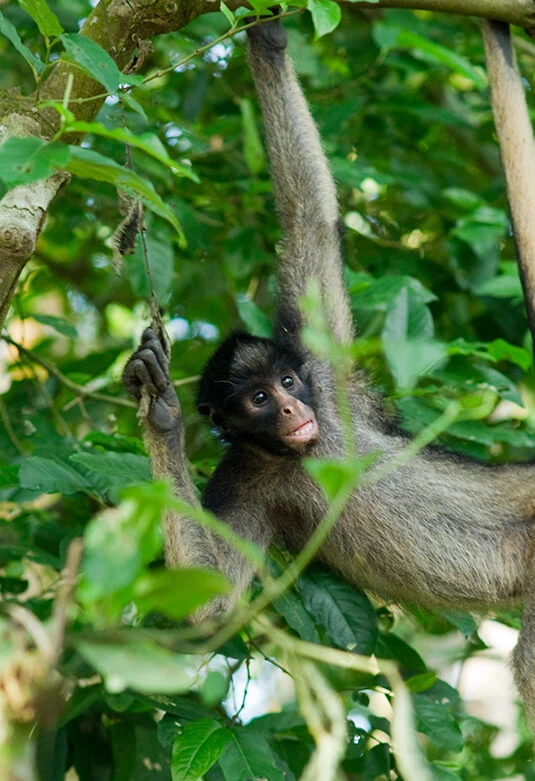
point(204, 409)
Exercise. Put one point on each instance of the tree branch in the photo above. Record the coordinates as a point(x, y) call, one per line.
point(517, 12)
point(80, 390)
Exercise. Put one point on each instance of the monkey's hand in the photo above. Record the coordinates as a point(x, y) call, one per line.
point(148, 369)
point(270, 37)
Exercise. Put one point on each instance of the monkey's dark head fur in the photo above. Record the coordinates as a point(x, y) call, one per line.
point(242, 363)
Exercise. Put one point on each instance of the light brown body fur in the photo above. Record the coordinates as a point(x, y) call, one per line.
point(441, 530)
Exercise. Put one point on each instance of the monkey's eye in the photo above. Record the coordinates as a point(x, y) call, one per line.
point(287, 382)
point(259, 398)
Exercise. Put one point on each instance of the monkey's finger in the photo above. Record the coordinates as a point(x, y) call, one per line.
point(147, 335)
point(141, 373)
point(160, 355)
point(158, 377)
point(130, 378)
point(151, 341)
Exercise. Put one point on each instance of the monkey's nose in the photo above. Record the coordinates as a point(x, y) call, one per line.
point(287, 411)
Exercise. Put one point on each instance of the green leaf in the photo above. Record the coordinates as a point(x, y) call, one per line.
point(59, 324)
point(146, 142)
point(390, 646)
point(506, 285)
point(382, 293)
point(10, 32)
point(253, 150)
point(119, 542)
point(227, 13)
point(138, 664)
point(45, 19)
point(411, 359)
point(43, 474)
point(464, 199)
point(482, 229)
point(197, 748)
point(123, 743)
point(178, 592)
point(247, 757)
point(9, 476)
point(96, 62)
point(464, 622)
point(408, 318)
point(214, 688)
point(326, 16)
point(346, 614)
point(435, 721)
point(120, 468)
point(254, 318)
point(501, 350)
point(262, 7)
point(28, 159)
point(338, 476)
point(441, 773)
point(389, 36)
point(91, 165)
point(296, 616)
point(421, 682)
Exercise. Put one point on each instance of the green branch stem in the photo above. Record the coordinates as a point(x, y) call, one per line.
point(406, 747)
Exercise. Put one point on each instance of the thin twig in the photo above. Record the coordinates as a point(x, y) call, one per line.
point(64, 594)
point(224, 37)
point(80, 390)
point(187, 380)
point(236, 716)
point(196, 53)
point(15, 441)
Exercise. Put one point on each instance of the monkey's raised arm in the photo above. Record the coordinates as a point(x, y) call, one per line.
point(305, 193)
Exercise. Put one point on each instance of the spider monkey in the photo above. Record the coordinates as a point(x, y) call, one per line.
point(442, 531)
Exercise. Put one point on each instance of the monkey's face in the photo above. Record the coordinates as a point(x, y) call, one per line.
point(277, 411)
point(274, 412)
point(254, 390)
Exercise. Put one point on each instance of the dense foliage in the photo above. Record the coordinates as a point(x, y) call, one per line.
point(402, 104)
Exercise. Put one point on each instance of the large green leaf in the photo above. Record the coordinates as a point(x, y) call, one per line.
point(96, 61)
point(389, 36)
point(197, 748)
point(137, 663)
point(408, 360)
point(59, 324)
point(44, 474)
point(326, 16)
point(10, 32)
point(43, 16)
point(253, 151)
point(146, 142)
point(437, 723)
point(177, 593)
point(28, 159)
point(118, 544)
point(297, 617)
point(249, 756)
point(346, 614)
point(120, 468)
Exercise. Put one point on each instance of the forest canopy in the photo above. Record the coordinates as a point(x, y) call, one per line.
point(101, 677)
